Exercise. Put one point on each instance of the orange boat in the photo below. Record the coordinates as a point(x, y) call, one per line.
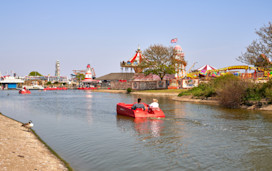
point(24, 91)
point(125, 109)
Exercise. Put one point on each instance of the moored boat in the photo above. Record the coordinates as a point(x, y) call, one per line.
point(50, 88)
point(61, 88)
point(87, 88)
point(125, 109)
point(55, 88)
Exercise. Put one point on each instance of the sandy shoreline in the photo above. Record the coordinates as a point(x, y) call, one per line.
point(22, 150)
point(187, 99)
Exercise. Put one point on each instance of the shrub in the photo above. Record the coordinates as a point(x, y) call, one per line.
point(231, 94)
point(268, 94)
point(223, 80)
point(253, 92)
point(129, 90)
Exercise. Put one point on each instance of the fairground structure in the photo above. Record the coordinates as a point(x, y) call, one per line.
point(134, 62)
point(89, 80)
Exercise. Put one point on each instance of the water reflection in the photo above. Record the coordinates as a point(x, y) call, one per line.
point(143, 126)
point(89, 97)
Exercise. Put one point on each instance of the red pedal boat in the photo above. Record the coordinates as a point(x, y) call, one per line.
point(125, 109)
point(23, 91)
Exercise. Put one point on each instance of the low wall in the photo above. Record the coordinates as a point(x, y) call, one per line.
point(116, 85)
point(148, 85)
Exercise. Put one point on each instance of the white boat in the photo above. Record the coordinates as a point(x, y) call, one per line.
point(34, 86)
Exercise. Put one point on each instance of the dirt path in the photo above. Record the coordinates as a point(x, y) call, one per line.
point(21, 149)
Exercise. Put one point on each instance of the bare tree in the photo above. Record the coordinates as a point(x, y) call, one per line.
point(159, 60)
point(259, 51)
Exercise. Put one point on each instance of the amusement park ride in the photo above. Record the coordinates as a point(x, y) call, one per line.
point(180, 64)
point(134, 62)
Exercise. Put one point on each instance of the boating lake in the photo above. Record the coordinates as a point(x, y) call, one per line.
point(84, 129)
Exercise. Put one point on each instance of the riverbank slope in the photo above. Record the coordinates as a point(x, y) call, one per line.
point(173, 94)
point(20, 149)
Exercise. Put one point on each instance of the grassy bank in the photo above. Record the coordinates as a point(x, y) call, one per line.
point(232, 92)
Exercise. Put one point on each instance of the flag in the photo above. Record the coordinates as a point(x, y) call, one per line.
point(174, 40)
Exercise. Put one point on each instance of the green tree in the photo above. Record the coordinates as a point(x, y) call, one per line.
point(34, 73)
point(80, 77)
point(159, 60)
point(259, 51)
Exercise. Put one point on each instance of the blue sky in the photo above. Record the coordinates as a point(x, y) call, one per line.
point(36, 33)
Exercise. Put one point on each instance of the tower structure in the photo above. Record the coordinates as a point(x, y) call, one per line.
point(89, 74)
point(180, 62)
point(57, 71)
point(134, 62)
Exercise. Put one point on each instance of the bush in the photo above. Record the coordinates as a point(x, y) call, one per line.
point(223, 80)
point(232, 91)
point(268, 94)
point(129, 90)
point(232, 94)
point(253, 92)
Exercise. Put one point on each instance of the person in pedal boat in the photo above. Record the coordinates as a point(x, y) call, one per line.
point(138, 105)
point(154, 104)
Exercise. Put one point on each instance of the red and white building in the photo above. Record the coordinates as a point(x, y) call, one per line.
point(89, 80)
point(181, 64)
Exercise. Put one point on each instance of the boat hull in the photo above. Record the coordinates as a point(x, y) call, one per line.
point(87, 88)
point(125, 109)
point(55, 88)
point(24, 92)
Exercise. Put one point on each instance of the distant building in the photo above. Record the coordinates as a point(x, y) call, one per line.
point(137, 81)
point(89, 80)
point(117, 80)
point(61, 79)
point(9, 82)
point(180, 62)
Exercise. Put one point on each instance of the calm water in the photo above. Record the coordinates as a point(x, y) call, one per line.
point(84, 129)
